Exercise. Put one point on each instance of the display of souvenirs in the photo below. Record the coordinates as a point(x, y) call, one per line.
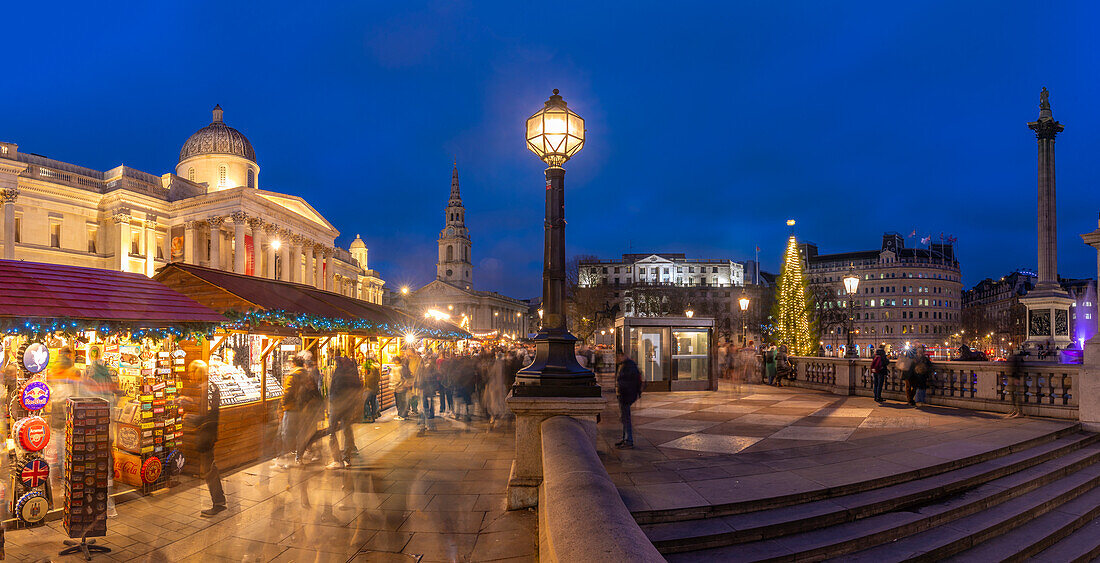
point(29, 498)
point(36, 357)
point(148, 426)
point(32, 507)
point(35, 396)
point(87, 452)
point(32, 433)
point(236, 386)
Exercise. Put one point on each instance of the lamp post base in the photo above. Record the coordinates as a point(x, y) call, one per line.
point(555, 372)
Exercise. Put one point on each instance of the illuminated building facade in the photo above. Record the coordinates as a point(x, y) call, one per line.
point(209, 212)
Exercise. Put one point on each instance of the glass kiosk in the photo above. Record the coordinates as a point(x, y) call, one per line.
point(673, 353)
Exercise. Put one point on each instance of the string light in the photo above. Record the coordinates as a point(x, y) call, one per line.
point(302, 321)
point(78, 327)
point(792, 308)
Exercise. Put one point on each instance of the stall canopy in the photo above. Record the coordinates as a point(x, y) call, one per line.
point(253, 302)
point(51, 297)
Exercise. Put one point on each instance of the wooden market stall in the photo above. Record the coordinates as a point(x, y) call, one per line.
point(107, 333)
point(267, 321)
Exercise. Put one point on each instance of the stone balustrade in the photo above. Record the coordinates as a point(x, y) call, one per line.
point(1049, 389)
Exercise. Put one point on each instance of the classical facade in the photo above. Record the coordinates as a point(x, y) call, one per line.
point(210, 212)
point(906, 295)
point(451, 295)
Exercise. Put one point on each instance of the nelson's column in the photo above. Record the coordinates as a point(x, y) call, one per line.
point(1048, 304)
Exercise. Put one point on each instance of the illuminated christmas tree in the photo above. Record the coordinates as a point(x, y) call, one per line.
point(792, 312)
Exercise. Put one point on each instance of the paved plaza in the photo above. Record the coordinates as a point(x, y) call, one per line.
point(434, 498)
point(756, 441)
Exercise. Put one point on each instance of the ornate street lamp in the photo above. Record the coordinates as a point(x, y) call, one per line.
point(555, 133)
point(851, 286)
point(744, 303)
point(689, 313)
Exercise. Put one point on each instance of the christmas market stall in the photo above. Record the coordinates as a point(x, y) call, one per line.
point(90, 361)
point(267, 321)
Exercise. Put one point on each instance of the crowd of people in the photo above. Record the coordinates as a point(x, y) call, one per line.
point(425, 385)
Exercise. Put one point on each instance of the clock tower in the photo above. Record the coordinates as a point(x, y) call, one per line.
point(453, 265)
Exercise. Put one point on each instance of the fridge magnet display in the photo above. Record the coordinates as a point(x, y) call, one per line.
point(35, 396)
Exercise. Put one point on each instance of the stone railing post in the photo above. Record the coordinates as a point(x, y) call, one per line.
point(1088, 387)
point(846, 375)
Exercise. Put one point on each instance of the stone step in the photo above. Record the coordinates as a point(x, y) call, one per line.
point(691, 535)
point(1037, 534)
point(957, 535)
point(893, 532)
point(724, 509)
point(1082, 546)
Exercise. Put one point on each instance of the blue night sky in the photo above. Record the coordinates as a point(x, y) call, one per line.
point(709, 124)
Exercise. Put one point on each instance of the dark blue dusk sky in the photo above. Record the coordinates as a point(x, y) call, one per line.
point(709, 124)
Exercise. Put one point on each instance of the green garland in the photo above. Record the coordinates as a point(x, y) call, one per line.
point(303, 321)
point(76, 327)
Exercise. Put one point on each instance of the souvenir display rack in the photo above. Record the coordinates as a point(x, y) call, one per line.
point(30, 496)
point(87, 452)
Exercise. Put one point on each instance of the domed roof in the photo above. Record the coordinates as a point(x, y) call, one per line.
point(217, 138)
point(357, 243)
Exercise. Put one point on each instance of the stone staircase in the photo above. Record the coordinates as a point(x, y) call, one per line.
point(1036, 500)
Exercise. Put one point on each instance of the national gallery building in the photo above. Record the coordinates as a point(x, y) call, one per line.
point(210, 212)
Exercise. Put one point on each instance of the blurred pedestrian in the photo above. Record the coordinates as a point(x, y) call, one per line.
point(202, 412)
point(344, 400)
point(371, 387)
point(880, 368)
point(922, 374)
point(628, 388)
point(1016, 383)
point(769, 363)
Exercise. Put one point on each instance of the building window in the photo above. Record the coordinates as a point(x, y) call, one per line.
point(223, 172)
point(191, 174)
point(135, 242)
point(55, 234)
point(93, 233)
point(466, 254)
point(251, 178)
point(18, 229)
point(160, 247)
point(450, 254)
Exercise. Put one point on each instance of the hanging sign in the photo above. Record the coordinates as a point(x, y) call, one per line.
point(33, 433)
point(35, 396)
point(35, 472)
point(32, 507)
point(36, 358)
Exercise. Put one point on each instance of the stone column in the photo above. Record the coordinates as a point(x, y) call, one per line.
point(1046, 129)
point(240, 251)
point(189, 242)
point(308, 277)
point(150, 245)
point(330, 269)
point(271, 234)
point(122, 239)
point(284, 258)
point(319, 266)
point(8, 197)
point(295, 259)
point(215, 241)
point(258, 253)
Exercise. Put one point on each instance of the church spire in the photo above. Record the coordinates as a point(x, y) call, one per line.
point(456, 197)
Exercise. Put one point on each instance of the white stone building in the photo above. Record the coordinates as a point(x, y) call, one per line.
point(483, 313)
point(210, 211)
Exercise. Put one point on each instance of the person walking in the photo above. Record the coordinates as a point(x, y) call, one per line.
point(922, 374)
point(783, 367)
point(399, 378)
point(1015, 383)
point(371, 387)
point(344, 399)
point(880, 367)
point(769, 364)
point(426, 387)
point(202, 412)
point(628, 388)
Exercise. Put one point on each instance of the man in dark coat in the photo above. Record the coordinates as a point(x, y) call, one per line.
point(344, 399)
point(628, 387)
point(202, 414)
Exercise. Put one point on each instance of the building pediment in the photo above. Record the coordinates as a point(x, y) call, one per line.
point(654, 259)
point(439, 288)
point(295, 205)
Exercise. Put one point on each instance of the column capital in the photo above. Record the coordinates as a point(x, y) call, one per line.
point(190, 224)
point(215, 221)
point(9, 195)
point(239, 217)
point(121, 217)
point(257, 224)
point(283, 233)
point(299, 240)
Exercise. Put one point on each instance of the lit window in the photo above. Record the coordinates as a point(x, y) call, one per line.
point(55, 235)
point(191, 174)
point(223, 171)
point(92, 235)
point(18, 229)
point(251, 178)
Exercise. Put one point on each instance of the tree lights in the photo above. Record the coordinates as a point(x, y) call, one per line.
point(793, 327)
